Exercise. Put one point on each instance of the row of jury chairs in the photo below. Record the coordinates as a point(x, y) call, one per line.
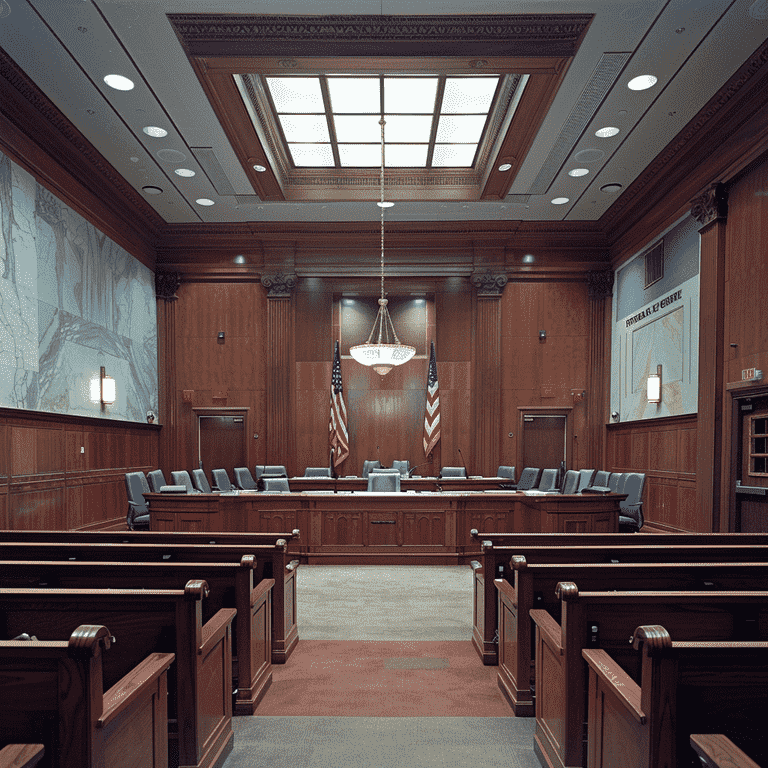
point(587, 481)
point(273, 478)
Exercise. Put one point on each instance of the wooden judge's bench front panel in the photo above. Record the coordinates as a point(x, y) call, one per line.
point(386, 528)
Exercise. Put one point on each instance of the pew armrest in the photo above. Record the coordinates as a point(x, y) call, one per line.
point(126, 691)
point(505, 588)
point(21, 755)
point(716, 749)
point(261, 589)
point(215, 629)
point(549, 628)
point(615, 678)
point(292, 566)
point(476, 566)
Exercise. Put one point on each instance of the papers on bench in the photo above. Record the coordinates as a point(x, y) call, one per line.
point(541, 493)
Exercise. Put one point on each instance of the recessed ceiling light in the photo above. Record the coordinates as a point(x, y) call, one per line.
point(589, 155)
point(239, 259)
point(259, 168)
point(578, 172)
point(529, 258)
point(153, 130)
point(119, 83)
point(642, 82)
point(385, 204)
point(186, 172)
point(560, 200)
point(606, 132)
point(610, 189)
point(134, 159)
point(171, 155)
point(152, 190)
point(505, 166)
point(204, 201)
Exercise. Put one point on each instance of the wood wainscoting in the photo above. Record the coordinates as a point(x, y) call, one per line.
point(64, 472)
point(665, 449)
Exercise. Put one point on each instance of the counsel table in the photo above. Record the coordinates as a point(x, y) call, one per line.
point(385, 528)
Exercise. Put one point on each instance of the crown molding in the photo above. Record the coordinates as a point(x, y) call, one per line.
point(476, 35)
point(36, 135)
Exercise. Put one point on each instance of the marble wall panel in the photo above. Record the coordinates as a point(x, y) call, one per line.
point(71, 301)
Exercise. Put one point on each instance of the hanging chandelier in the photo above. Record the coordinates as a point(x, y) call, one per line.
point(387, 351)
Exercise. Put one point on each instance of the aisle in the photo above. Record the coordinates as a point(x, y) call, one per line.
point(384, 675)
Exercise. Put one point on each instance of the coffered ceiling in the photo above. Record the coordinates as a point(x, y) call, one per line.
point(197, 67)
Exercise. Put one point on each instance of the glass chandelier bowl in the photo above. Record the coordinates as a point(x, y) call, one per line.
point(386, 351)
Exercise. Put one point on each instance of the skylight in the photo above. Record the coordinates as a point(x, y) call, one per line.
point(431, 121)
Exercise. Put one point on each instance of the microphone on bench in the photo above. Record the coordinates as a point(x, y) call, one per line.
point(463, 463)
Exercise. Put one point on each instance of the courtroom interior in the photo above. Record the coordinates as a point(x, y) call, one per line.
point(400, 350)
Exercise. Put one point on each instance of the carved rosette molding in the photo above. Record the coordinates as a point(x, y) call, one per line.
point(600, 284)
point(711, 206)
point(531, 32)
point(278, 285)
point(166, 285)
point(489, 283)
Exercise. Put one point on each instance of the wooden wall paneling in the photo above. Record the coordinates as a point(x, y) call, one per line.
point(486, 430)
point(745, 336)
point(166, 285)
point(710, 210)
point(280, 445)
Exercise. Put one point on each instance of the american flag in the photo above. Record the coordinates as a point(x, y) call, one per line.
point(432, 410)
point(337, 427)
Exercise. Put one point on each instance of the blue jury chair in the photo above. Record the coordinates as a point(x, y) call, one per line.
point(384, 482)
point(181, 477)
point(138, 511)
point(200, 481)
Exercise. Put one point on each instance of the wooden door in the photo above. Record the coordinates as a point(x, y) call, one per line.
point(751, 491)
point(544, 440)
point(221, 442)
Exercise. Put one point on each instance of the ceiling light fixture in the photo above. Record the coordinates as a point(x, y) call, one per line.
point(152, 190)
point(505, 166)
point(185, 172)
point(611, 189)
point(153, 130)
point(204, 201)
point(119, 83)
point(578, 172)
point(607, 132)
point(259, 168)
point(387, 351)
point(642, 82)
point(560, 201)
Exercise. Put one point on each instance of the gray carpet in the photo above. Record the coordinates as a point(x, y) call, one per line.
point(383, 603)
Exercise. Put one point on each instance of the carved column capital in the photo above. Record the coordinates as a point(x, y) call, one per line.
point(600, 283)
point(278, 285)
point(489, 283)
point(166, 285)
point(710, 206)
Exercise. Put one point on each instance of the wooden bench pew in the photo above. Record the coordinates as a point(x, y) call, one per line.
point(684, 688)
point(147, 537)
point(496, 560)
point(21, 755)
point(606, 539)
point(534, 587)
point(271, 563)
point(606, 620)
point(53, 692)
point(144, 622)
point(716, 750)
point(231, 585)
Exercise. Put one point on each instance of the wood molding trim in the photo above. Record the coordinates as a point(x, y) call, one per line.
point(280, 383)
point(66, 163)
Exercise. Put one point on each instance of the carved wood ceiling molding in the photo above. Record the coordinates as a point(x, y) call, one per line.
point(221, 46)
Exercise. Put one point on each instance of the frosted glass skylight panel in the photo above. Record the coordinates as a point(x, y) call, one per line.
point(305, 128)
point(453, 155)
point(354, 95)
point(407, 128)
point(360, 155)
point(301, 95)
point(312, 155)
point(405, 155)
point(460, 129)
point(469, 95)
point(357, 128)
point(410, 95)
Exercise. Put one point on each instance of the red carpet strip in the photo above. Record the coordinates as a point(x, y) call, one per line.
point(384, 679)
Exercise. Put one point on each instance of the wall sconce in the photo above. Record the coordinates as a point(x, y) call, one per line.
point(542, 335)
point(103, 389)
point(654, 386)
point(220, 337)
